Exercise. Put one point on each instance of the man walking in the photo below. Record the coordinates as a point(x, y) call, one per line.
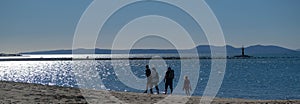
point(169, 80)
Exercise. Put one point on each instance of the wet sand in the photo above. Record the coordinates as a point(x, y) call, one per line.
point(13, 92)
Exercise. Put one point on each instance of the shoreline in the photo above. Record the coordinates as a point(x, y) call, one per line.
point(131, 58)
point(17, 92)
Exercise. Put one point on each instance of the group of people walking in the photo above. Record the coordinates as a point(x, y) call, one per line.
point(153, 80)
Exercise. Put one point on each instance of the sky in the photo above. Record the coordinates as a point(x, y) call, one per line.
point(35, 25)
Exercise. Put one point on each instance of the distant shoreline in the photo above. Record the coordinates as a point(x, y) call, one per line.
point(16, 92)
point(9, 55)
point(131, 58)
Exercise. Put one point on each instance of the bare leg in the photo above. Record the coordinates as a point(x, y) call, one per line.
point(186, 92)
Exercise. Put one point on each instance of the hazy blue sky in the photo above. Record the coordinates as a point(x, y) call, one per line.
point(30, 25)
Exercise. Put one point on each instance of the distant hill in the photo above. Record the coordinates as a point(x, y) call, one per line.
point(297, 49)
point(259, 49)
point(104, 51)
point(50, 52)
point(202, 49)
point(251, 50)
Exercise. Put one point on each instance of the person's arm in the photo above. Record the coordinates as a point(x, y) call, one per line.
point(146, 73)
point(190, 86)
point(183, 85)
point(173, 74)
point(165, 77)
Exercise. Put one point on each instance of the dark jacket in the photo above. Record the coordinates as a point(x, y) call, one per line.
point(148, 72)
point(169, 75)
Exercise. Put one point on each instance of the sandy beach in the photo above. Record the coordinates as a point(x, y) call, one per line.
point(13, 92)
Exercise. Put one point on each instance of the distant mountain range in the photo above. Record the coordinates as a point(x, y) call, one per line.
point(202, 49)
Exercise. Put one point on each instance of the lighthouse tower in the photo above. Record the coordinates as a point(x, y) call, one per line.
point(243, 54)
point(243, 51)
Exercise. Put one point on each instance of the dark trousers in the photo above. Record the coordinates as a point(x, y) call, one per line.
point(157, 90)
point(169, 82)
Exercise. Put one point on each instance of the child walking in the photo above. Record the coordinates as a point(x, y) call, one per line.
point(187, 86)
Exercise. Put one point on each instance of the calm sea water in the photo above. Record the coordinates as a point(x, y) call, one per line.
point(264, 78)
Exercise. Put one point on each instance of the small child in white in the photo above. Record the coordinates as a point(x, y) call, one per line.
point(187, 86)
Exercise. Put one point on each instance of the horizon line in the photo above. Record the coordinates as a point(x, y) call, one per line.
point(155, 48)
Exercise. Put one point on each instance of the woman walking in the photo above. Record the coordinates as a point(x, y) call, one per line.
point(155, 79)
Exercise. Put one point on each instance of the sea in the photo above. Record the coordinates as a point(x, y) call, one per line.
point(272, 77)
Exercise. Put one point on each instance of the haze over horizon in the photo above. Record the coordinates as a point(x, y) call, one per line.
point(156, 48)
point(34, 25)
